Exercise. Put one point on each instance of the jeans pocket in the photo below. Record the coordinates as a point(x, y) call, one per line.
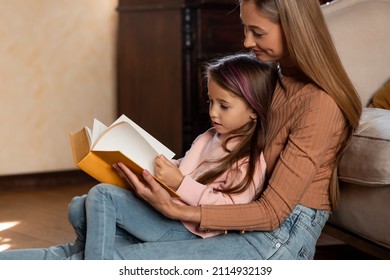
point(282, 234)
point(297, 236)
point(305, 254)
point(320, 218)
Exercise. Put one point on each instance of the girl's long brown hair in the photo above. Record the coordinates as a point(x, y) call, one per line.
point(312, 51)
point(245, 76)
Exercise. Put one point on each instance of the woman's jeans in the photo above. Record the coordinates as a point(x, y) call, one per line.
point(111, 222)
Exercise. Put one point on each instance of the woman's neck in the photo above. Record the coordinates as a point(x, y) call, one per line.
point(290, 70)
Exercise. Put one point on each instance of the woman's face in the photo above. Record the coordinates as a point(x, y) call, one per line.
point(264, 37)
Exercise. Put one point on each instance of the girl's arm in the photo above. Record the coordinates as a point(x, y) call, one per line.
point(168, 171)
point(195, 193)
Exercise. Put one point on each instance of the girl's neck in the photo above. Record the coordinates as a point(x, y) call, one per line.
point(232, 142)
point(220, 136)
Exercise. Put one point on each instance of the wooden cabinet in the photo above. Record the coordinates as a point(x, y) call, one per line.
point(162, 45)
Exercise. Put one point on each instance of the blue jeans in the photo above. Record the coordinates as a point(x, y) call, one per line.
point(158, 237)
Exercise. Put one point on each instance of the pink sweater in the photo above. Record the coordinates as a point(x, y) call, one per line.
point(208, 146)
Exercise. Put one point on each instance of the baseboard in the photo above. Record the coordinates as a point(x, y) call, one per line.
point(45, 180)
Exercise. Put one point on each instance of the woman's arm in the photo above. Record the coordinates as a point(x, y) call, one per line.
point(158, 197)
point(311, 137)
point(312, 142)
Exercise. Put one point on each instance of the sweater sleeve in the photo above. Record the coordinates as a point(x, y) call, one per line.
point(194, 193)
point(318, 123)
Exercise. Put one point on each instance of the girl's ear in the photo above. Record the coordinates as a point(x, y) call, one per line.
point(253, 115)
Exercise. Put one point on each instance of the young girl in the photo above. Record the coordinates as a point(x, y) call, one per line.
point(225, 165)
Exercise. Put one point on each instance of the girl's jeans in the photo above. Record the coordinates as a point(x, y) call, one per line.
point(121, 226)
point(109, 207)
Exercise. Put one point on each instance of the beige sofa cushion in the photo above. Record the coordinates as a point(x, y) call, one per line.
point(366, 161)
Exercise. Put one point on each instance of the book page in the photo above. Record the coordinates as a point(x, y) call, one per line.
point(97, 129)
point(126, 139)
point(157, 145)
point(88, 132)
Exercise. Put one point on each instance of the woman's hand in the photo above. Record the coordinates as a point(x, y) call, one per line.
point(157, 196)
point(168, 172)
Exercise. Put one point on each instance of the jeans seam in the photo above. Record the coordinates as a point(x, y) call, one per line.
point(192, 236)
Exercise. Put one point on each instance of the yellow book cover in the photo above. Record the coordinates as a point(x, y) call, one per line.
point(96, 150)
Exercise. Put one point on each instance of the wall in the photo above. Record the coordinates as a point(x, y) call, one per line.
point(57, 72)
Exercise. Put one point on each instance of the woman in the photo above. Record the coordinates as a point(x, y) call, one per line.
point(313, 113)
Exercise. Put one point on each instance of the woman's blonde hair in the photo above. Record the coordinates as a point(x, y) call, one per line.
point(312, 52)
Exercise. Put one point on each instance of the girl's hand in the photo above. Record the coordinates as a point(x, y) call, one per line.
point(168, 172)
point(153, 193)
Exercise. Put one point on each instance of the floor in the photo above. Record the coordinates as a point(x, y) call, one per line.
point(38, 218)
point(33, 219)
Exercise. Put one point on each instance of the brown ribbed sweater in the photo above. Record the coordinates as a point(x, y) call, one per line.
point(305, 128)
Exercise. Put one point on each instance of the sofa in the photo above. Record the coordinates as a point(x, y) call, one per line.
point(360, 30)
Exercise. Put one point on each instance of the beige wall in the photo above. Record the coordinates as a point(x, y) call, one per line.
point(57, 72)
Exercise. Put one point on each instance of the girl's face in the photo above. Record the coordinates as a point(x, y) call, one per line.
point(227, 110)
point(263, 36)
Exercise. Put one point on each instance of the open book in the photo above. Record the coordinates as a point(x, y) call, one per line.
point(96, 150)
